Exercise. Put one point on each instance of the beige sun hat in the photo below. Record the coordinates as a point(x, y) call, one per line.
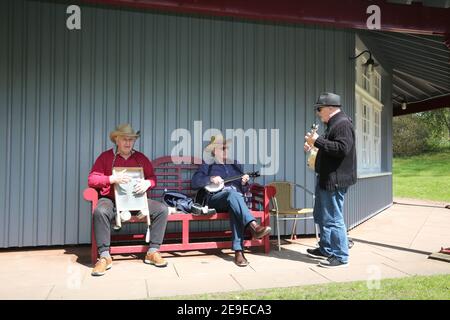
point(217, 141)
point(125, 130)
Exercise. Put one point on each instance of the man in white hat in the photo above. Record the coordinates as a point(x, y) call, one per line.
point(102, 179)
point(230, 198)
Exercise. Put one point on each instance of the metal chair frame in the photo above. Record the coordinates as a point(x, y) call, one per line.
point(296, 218)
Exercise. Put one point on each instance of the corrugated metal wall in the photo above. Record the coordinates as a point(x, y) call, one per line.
point(62, 92)
point(366, 198)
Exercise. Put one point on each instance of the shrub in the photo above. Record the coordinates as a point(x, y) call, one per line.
point(410, 136)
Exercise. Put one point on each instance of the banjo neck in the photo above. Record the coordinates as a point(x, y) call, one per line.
point(233, 178)
point(212, 188)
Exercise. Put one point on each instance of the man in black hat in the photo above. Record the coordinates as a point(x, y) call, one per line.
point(336, 171)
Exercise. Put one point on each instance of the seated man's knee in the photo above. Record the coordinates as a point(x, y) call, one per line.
point(159, 209)
point(233, 195)
point(165, 210)
point(102, 211)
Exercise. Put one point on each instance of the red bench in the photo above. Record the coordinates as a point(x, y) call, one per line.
point(173, 176)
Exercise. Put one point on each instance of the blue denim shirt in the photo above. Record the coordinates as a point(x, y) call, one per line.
point(201, 177)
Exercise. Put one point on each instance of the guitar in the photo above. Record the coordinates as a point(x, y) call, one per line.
point(211, 188)
point(312, 154)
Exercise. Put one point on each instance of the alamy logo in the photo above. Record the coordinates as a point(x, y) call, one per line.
point(73, 22)
point(374, 20)
point(255, 147)
point(374, 277)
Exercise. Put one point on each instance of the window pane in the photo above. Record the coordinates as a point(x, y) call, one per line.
point(368, 140)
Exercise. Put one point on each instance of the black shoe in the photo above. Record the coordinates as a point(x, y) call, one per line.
point(333, 263)
point(316, 254)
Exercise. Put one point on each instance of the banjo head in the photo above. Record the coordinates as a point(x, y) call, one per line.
point(214, 187)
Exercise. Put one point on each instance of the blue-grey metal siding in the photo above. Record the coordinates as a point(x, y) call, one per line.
point(366, 198)
point(62, 92)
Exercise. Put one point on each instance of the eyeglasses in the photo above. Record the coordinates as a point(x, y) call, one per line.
point(128, 139)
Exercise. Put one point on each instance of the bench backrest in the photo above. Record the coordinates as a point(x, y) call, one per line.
point(174, 173)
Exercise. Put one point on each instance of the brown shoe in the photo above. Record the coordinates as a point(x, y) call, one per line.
point(239, 259)
point(155, 259)
point(101, 266)
point(258, 231)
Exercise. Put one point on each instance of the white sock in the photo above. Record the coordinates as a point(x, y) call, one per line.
point(105, 254)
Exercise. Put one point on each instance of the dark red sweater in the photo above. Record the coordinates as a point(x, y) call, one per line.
point(99, 176)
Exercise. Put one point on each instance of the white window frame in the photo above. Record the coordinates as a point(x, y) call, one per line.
point(377, 138)
point(376, 85)
point(368, 131)
point(366, 117)
point(366, 78)
point(368, 127)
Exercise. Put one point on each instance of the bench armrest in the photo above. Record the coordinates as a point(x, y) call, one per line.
point(260, 189)
point(91, 195)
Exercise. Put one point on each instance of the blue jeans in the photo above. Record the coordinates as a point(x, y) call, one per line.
point(328, 214)
point(233, 202)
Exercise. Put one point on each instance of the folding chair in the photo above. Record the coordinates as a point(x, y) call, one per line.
point(282, 206)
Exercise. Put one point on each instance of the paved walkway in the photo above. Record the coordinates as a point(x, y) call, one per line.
point(395, 243)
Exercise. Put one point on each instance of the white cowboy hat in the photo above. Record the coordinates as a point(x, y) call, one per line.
point(123, 130)
point(217, 141)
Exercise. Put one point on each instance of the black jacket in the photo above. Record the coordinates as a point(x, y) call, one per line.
point(336, 158)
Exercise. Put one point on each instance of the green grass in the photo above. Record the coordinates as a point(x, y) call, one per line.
point(425, 176)
point(410, 288)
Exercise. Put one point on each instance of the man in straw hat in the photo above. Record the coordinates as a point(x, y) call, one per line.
point(102, 179)
point(230, 198)
point(336, 171)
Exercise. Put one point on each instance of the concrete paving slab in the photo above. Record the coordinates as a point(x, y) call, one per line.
point(435, 230)
point(371, 271)
point(33, 292)
point(102, 290)
point(21, 280)
point(195, 284)
point(197, 268)
point(426, 267)
point(280, 278)
point(286, 259)
point(430, 243)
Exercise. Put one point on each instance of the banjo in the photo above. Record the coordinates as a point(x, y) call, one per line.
point(213, 188)
point(312, 154)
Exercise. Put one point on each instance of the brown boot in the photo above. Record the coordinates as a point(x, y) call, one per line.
point(258, 231)
point(101, 266)
point(239, 259)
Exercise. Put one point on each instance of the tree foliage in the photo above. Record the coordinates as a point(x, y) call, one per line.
point(424, 131)
point(438, 124)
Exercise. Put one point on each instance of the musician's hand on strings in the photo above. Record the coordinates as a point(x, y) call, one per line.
point(245, 179)
point(311, 138)
point(119, 177)
point(216, 180)
point(142, 186)
point(307, 147)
